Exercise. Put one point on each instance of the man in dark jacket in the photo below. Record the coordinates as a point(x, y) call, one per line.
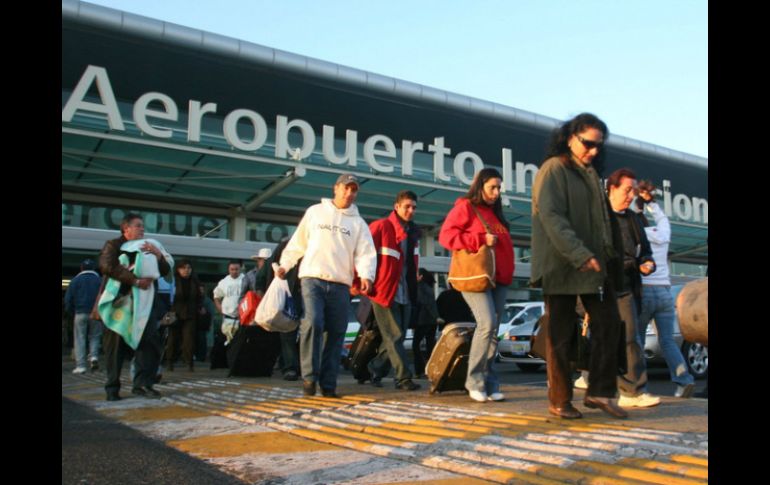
point(637, 261)
point(79, 300)
point(147, 353)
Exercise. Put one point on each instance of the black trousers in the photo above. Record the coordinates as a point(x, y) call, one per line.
point(605, 331)
point(427, 332)
point(181, 336)
point(147, 357)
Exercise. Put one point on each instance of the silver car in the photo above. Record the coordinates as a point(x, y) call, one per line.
point(515, 334)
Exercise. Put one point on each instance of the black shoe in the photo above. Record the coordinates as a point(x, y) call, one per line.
point(407, 385)
point(139, 391)
point(330, 393)
point(113, 397)
point(377, 381)
point(151, 392)
point(94, 365)
point(290, 376)
point(308, 388)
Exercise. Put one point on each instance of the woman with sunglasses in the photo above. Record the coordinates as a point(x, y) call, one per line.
point(573, 255)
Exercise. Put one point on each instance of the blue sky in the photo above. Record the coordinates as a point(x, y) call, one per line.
point(642, 66)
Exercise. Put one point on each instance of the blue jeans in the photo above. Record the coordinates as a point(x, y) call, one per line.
point(86, 331)
point(326, 311)
point(658, 303)
point(487, 307)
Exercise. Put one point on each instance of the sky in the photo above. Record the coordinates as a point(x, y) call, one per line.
point(641, 66)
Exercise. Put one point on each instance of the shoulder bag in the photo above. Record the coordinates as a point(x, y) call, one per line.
point(473, 272)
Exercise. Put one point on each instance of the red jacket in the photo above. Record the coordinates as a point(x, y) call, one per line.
point(388, 233)
point(463, 230)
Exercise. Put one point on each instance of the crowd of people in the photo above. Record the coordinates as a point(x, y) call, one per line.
point(591, 246)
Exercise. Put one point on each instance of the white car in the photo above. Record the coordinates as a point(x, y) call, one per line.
point(515, 334)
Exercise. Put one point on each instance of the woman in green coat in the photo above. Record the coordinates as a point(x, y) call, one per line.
point(572, 249)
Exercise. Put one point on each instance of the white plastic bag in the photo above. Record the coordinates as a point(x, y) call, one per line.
point(275, 312)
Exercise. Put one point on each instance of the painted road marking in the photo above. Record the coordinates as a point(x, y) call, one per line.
point(248, 429)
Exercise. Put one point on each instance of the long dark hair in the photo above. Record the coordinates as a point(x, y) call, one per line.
point(427, 276)
point(558, 144)
point(476, 193)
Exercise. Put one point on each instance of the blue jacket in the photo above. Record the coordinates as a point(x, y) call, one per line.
point(82, 292)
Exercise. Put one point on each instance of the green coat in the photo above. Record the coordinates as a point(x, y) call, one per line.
point(568, 229)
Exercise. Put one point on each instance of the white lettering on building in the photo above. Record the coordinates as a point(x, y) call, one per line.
point(247, 130)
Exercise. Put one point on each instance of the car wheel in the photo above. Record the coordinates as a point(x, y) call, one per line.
point(697, 357)
point(528, 367)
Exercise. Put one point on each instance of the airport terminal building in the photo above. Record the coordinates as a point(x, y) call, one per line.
point(221, 145)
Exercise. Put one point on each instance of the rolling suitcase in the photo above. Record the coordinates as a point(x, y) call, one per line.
point(362, 351)
point(253, 352)
point(447, 366)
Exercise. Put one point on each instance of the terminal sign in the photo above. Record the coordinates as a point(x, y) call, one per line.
point(379, 151)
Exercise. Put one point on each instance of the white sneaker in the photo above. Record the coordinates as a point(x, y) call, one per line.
point(496, 396)
point(478, 396)
point(581, 383)
point(685, 391)
point(79, 370)
point(644, 400)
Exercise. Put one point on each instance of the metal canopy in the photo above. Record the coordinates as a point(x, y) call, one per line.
point(211, 174)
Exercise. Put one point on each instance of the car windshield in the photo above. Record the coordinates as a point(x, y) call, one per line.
point(511, 311)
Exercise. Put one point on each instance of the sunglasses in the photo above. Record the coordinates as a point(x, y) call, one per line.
point(590, 144)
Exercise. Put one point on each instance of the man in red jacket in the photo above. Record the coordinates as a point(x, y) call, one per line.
point(396, 239)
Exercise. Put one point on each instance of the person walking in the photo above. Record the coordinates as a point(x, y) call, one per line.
point(79, 301)
point(226, 295)
point(572, 246)
point(132, 264)
point(396, 239)
point(636, 262)
point(333, 241)
point(477, 220)
point(657, 301)
point(187, 303)
point(427, 320)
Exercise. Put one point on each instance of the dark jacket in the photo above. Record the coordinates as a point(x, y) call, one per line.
point(427, 301)
point(643, 254)
point(187, 297)
point(568, 229)
point(82, 292)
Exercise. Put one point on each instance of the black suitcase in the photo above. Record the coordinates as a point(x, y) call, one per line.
point(218, 355)
point(253, 352)
point(362, 351)
point(447, 367)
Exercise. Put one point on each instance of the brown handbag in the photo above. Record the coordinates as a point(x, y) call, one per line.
point(473, 272)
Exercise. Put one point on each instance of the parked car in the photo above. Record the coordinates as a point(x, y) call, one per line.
point(515, 334)
point(515, 344)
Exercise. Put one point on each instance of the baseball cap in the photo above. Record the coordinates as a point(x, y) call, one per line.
point(263, 253)
point(347, 178)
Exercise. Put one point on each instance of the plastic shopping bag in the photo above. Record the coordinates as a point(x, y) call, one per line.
point(276, 312)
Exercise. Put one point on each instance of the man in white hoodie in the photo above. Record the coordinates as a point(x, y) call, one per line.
point(657, 301)
point(333, 241)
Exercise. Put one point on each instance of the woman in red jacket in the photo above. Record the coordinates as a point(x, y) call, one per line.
point(462, 229)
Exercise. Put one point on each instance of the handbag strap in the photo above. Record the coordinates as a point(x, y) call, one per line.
point(483, 222)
